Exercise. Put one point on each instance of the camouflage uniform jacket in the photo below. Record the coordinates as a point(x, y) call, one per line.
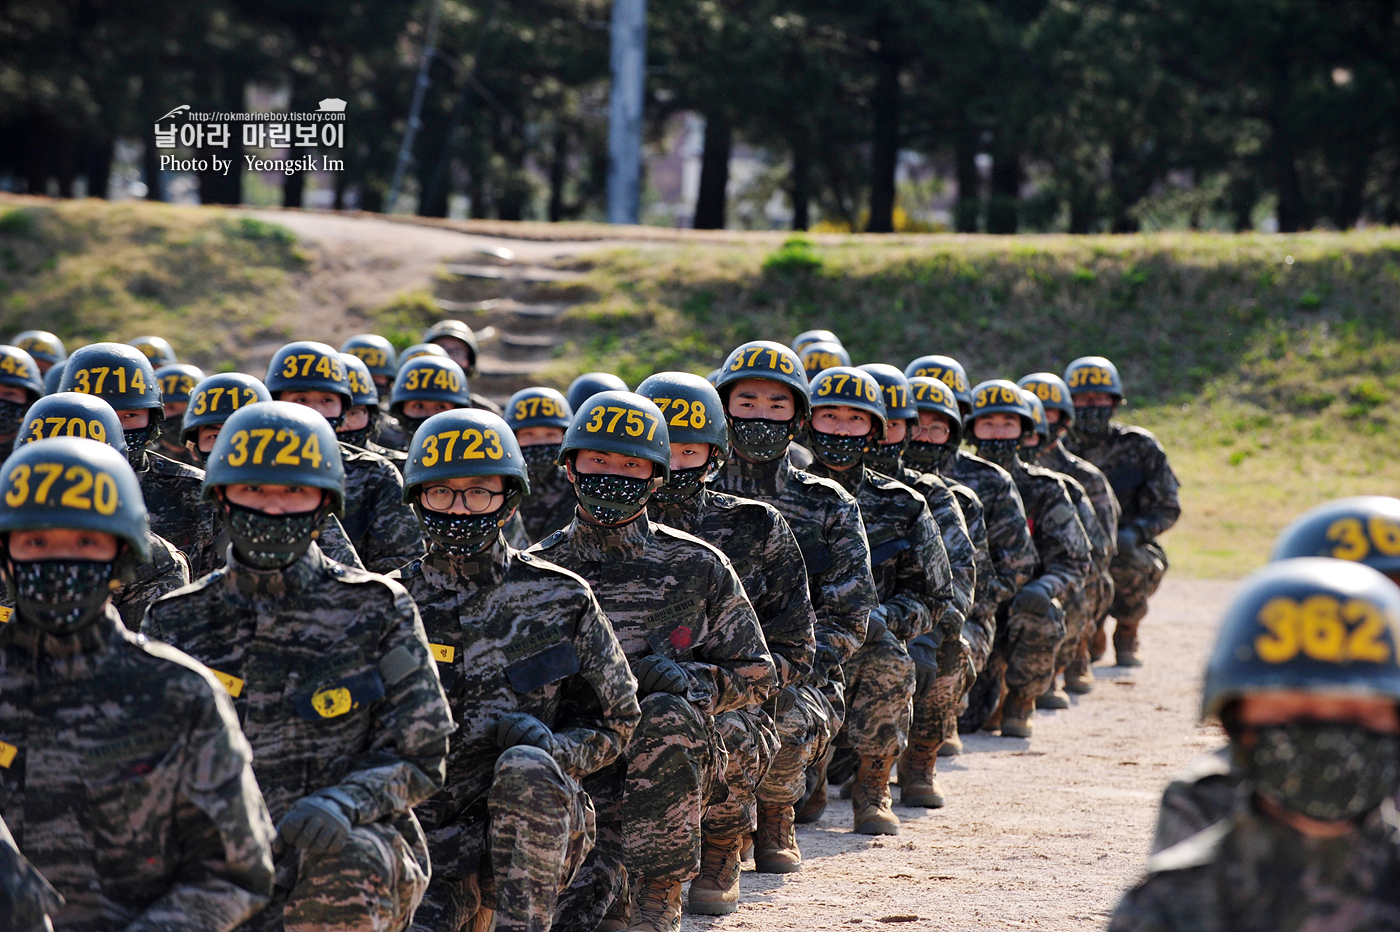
point(826, 521)
point(549, 506)
point(333, 679)
point(26, 898)
point(760, 544)
point(173, 493)
point(481, 402)
point(1250, 873)
point(948, 516)
point(1206, 791)
point(668, 593)
point(388, 432)
point(127, 782)
point(398, 458)
point(1061, 542)
point(331, 538)
point(513, 633)
point(976, 518)
point(178, 452)
point(1137, 468)
point(1008, 534)
point(1060, 460)
point(907, 557)
point(383, 530)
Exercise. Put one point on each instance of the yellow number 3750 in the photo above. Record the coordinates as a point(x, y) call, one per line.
point(1322, 628)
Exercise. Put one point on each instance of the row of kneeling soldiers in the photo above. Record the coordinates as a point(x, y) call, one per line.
point(737, 592)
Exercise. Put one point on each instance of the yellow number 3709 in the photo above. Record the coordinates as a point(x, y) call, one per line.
point(1323, 628)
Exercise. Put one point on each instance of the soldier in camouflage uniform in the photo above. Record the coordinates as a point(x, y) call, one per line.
point(694, 645)
point(539, 417)
point(211, 403)
point(382, 361)
point(123, 774)
point(156, 349)
point(427, 384)
point(766, 402)
point(461, 345)
point(1292, 826)
point(1137, 468)
point(176, 383)
point(1080, 602)
point(330, 672)
point(357, 426)
point(912, 578)
point(43, 347)
point(765, 554)
point(534, 675)
point(1098, 591)
point(122, 376)
point(27, 900)
point(941, 659)
point(20, 386)
point(380, 526)
point(1035, 621)
point(589, 384)
point(70, 414)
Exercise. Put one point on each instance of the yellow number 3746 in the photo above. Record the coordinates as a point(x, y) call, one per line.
point(1323, 628)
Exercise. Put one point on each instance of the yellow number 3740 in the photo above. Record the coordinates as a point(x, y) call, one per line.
point(1323, 628)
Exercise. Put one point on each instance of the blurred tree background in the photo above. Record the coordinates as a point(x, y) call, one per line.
point(1077, 115)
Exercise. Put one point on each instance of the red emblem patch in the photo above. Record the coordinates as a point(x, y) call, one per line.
point(680, 638)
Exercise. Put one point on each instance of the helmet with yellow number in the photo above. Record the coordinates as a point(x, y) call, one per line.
point(935, 395)
point(157, 349)
point(463, 443)
point(217, 397)
point(375, 352)
point(429, 378)
point(71, 414)
point(277, 443)
point(42, 345)
point(819, 356)
point(1364, 529)
point(177, 381)
point(1052, 392)
point(19, 370)
point(309, 366)
point(1093, 374)
point(363, 391)
point(621, 422)
point(538, 407)
point(764, 359)
point(947, 370)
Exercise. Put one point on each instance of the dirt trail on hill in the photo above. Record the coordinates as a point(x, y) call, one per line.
point(1038, 834)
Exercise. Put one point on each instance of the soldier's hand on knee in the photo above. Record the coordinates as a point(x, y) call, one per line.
point(1128, 538)
point(827, 661)
point(782, 701)
point(318, 823)
point(658, 674)
point(516, 728)
point(923, 650)
point(1034, 599)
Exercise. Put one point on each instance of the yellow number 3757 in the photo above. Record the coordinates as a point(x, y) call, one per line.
point(1323, 628)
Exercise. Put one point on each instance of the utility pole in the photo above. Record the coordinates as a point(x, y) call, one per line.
point(416, 110)
point(629, 59)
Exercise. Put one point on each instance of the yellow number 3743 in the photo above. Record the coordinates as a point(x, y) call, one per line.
point(1323, 628)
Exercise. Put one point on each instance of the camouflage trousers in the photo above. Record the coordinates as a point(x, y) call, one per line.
point(1083, 616)
point(375, 881)
point(750, 741)
point(1137, 572)
point(540, 826)
point(670, 769)
point(936, 706)
point(804, 733)
point(1026, 653)
point(880, 685)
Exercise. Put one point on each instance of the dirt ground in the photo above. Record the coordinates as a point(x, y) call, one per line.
point(1038, 834)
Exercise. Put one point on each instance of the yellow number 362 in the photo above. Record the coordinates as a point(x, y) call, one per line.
point(1323, 628)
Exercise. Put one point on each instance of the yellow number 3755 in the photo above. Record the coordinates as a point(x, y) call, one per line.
point(1322, 628)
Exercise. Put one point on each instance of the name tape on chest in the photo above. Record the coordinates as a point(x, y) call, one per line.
point(7, 754)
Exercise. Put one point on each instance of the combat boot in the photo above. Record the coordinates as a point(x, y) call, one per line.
point(814, 804)
point(715, 891)
point(616, 918)
point(656, 906)
point(1125, 646)
point(1098, 644)
point(1079, 677)
point(775, 848)
point(1016, 712)
point(870, 797)
point(1053, 698)
point(918, 775)
point(952, 746)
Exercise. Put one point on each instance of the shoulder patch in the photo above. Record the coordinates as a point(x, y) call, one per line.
point(537, 564)
point(984, 465)
point(668, 531)
point(1199, 850)
point(819, 482)
point(169, 467)
point(550, 541)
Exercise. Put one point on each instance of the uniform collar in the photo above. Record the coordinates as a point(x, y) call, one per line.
point(758, 480)
point(245, 580)
point(484, 569)
point(850, 480)
point(684, 515)
point(598, 544)
point(95, 638)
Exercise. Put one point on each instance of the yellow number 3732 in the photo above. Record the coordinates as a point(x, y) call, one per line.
point(1323, 628)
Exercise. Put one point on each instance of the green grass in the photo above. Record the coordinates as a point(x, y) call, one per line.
point(90, 271)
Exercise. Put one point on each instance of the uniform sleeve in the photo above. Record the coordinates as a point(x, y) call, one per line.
point(732, 667)
point(923, 582)
point(1158, 504)
point(406, 760)
point(962, 559)
point(844, 593)
point(336, 545)
point(515, 532)
point(1009, 543)
point(168, 570)
point(976, 518)
point(26, 898)
point(784, 607)
point(394, 536)
point(1062, 543)
point(221, 830)
point(599, 710)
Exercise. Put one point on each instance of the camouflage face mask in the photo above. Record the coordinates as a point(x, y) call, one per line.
point(269, 542)
point(928, 457)
point(411, 424)
point(356, 438)
point(886, 458)
point(462, 535)
point(136, 442)
point(1093, 421)
point(1031, 454)
point(612, 499)
point(683, 484)
point(11, 417)
point(1324, 770)
point(62, 596)
point(760, 439)
point(540, 460)
point(1001, 452)
point(836, 450)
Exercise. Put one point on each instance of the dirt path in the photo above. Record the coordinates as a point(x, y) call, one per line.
point(1038, 834)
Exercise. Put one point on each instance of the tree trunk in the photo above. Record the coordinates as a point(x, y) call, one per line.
point(1003, 205)
point(711, 201)
point(218, 187)
point(95, 162)
point(801, 183)
point(558, 173)
point(150, 168)
point(293, 189)
point(1290, 191)
point(884, 155)
point(969, 205)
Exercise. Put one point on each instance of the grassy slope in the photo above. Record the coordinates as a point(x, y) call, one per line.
point(1291, 371)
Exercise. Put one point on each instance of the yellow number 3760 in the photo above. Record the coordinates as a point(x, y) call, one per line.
point(1323, 628)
